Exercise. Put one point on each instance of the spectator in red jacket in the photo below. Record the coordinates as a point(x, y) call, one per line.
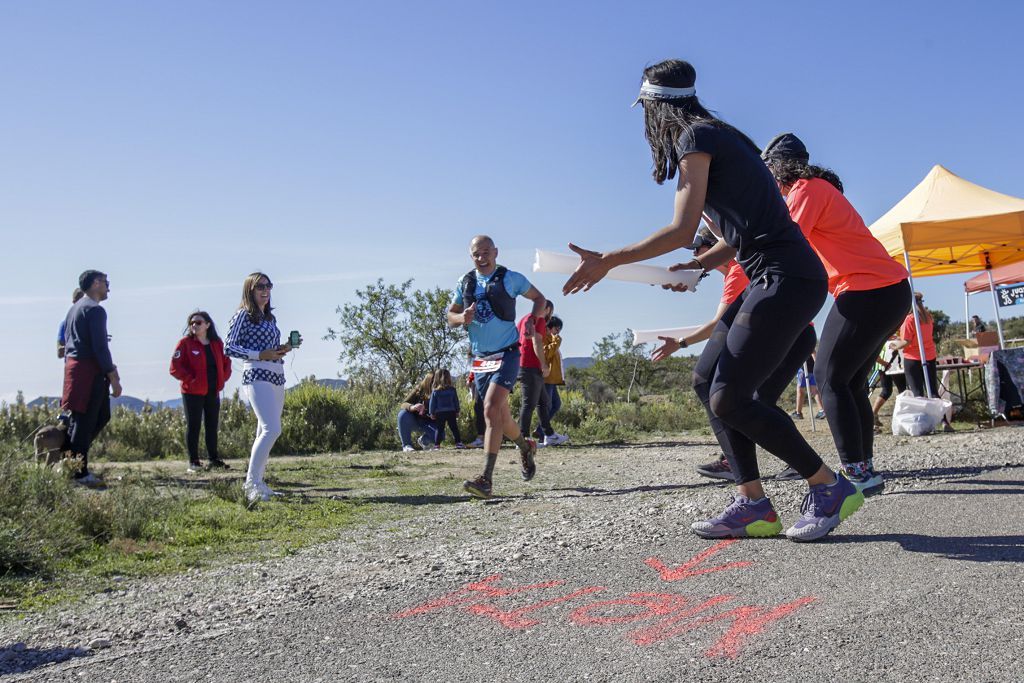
point(199, 362)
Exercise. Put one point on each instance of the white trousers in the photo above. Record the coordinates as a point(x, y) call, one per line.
point(267, 401)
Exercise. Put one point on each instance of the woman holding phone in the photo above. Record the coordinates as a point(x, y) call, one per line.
point(719, 172)
point(253, 337)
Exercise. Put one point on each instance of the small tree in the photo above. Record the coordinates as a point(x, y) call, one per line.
point(620, 365)
point(395, 334)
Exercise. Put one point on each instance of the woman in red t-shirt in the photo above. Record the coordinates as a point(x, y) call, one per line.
point(914, 366)
point(871, 293)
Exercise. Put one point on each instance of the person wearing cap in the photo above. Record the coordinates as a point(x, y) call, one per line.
point(90, 376)
point(872, 294)
point(719, 173)
point(770, 391)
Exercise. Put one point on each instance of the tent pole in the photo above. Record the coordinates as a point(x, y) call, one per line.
point(917, 326)
point(995, 303)
point(967, 314)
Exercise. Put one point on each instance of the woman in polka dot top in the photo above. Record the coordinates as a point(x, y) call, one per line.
point(253, 336)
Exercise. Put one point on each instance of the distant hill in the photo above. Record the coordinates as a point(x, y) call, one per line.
point(130, 402)
point(583, 362)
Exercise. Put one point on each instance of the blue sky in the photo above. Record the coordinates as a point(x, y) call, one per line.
point(180, 146)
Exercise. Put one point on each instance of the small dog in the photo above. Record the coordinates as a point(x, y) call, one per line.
point(51, 442)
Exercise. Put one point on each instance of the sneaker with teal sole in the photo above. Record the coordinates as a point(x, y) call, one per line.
point(824, 507)
point(866, 480)
point(741, 518)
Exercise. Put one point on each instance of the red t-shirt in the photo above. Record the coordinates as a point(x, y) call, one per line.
point(853, 258)
point(735, 282)
point(529, 359)
point(908, 332)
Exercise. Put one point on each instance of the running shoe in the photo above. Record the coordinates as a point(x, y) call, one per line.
point(716, 469)
point(865, 480)
point(194, 468)
point(797, 415)
point(820, 415)
point(267, 491)
point(254, 494)
point(527, 465)
point(478, 488)
point(741, 518)
point(478, 442)
point(555, 439)
point(218, 464)
point(407, 449)
point(824, 507)
point(88, 479)
point(788, 474)
point(460, 446)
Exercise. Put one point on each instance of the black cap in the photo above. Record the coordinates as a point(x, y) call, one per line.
point(786, 146)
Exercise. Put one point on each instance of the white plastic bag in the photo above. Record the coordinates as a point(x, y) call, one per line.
point(916, 416)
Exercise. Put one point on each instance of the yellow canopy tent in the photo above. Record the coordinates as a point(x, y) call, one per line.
point(950, 225)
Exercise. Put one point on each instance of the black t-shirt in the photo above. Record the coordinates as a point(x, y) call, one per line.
point(744, 200)
point(211, 370)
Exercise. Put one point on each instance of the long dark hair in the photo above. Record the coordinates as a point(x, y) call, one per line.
point(788, 171)
point(211, 333)
point(249, 298)
point(665, 121)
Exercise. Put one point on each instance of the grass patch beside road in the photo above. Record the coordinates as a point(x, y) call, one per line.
point(59, 541)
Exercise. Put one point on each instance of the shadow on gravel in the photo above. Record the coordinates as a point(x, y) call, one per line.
point(971, 548)
point(645, 444)
point(969, 492)
point(416, 500)
point(949, 472)
point(589, 491)
point(19, 661)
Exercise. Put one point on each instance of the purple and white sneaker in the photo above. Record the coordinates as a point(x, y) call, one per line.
point(742, 517)
point(824, 507)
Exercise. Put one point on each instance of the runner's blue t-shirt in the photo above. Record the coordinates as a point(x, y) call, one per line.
point(744, 200)
point(488, 333)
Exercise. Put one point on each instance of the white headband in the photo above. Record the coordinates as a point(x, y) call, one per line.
point(661, 92)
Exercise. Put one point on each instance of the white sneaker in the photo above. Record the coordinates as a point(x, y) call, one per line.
point(406, 449)
point(266, 490)
point(555, 439)
point(478, 442)
point(253, 494)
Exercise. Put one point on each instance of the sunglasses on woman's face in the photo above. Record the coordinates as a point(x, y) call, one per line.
point(261, 286)
point(196, 322)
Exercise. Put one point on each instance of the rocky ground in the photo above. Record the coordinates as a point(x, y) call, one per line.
point(590, 572)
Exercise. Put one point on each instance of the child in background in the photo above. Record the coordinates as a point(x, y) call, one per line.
point(444, 407)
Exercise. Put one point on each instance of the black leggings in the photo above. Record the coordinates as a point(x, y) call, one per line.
point(198, 409)
point(915, 377)
point(890, 381)
point(534, 398)
point(450, 418)
point(738, 376)
point(857, 325)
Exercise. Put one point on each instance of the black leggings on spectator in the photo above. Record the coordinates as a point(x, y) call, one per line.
point(915, 377)
point(197, 410)
point(738, 376)
point(534, 397)
point(450, 418)
point(857, 325)
point(890, 381)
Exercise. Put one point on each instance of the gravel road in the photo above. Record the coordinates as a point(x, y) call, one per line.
point(590, 573)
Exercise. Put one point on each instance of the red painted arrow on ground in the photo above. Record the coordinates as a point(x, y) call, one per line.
point(688, 569)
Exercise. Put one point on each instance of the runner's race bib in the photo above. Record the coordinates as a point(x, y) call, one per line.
point(487, 364)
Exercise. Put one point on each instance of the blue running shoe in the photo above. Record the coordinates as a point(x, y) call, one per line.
point(824, 507)
point(866, 480)
point(741, 518)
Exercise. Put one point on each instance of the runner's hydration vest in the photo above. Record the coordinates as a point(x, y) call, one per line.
point(503, 305)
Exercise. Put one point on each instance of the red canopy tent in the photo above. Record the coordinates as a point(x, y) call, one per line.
point(985, 282)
